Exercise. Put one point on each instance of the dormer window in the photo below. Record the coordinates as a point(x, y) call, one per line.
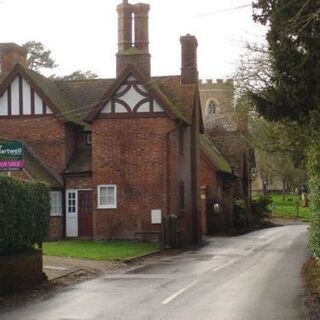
point(212, 107)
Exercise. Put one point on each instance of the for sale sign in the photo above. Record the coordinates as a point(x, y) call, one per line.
point(11, 156)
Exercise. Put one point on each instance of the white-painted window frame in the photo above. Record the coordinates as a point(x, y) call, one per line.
point(107, 206)
point(54, 213)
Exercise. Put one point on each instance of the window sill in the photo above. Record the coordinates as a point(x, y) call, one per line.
point(107, 207)
point(55, 214)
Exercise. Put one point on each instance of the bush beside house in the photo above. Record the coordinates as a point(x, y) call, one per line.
point(24, 220)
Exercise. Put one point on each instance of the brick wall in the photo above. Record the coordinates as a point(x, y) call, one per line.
point(45, 136)
point(78, 182)
point(20, 271)
point(183, 174)
point(130, 153)
point(218, 190)
point(55, 231)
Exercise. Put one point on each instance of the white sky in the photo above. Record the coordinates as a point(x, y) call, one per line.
point(82, 34)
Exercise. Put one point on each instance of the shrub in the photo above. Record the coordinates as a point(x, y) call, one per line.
point(239, 214)
point(24, 214)
point(260, 207)
point(313, 157)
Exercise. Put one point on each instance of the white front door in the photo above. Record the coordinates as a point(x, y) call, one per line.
point(71, 213)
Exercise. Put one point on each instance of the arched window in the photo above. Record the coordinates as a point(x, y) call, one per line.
point(212, 107)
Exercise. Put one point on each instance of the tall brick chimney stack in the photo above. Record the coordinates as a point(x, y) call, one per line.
point(141, 30)
point(10, 55)
point(125, 11)
point(133, 51)
point(189, 69)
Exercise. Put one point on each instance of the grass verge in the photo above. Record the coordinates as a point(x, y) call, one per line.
point(288, 207)
point(112, 250)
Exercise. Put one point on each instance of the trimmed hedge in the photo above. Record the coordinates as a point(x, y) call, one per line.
point(24, 214)
point(314, 185)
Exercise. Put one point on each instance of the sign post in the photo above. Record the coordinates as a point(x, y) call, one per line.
point(11, 156)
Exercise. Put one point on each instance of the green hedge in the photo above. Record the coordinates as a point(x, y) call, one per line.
point(313, 157)
point(24, 214)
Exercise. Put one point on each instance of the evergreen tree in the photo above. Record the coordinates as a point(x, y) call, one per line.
point(38, 57)
point(294, 45)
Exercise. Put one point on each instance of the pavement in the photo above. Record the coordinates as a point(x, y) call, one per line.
point(59, 267)
point(251, 277)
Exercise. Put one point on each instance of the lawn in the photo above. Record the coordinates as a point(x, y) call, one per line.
point(85, 249)
point(288, 207)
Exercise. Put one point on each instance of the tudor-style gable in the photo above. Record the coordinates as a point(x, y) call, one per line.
point(131, 98)
point(25, 92)
point(21, 99)
point(134, 95)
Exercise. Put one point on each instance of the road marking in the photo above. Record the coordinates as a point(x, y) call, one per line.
point(175, 295)
point(55, 268)
point(178, 293)
point(224, 265)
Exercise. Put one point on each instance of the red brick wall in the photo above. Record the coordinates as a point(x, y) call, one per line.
point(220, 191)
point(208, 177)
point(55, 231)
point(130, 153)
point(79, 182)
point(45, 135)
point(183, 173)
point(10, 54)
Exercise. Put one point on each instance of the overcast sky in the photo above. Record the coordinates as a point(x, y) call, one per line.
point(82, 34)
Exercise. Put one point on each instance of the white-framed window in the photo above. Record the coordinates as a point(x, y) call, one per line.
point(56, 203)
point(107, 196)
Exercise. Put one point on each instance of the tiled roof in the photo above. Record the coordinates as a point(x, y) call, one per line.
point(74, 99)
point(66, 108)
point(37, 169)
point(84, 93)
point(176, 99)
point(214, 155)
point(81, 161)
point(233, 145)
point(181, 96)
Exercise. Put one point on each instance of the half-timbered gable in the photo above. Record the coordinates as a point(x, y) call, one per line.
point(35, 110)
point(134, 95)
point(20, 99)
point(132, 98)
point(27, 93)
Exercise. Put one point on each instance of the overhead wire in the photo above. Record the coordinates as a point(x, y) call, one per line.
point(223, 10)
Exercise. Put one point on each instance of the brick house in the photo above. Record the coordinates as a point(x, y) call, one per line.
point(230, 135)
point(125, 153)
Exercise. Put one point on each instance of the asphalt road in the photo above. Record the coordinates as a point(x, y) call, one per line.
point(252, 277)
